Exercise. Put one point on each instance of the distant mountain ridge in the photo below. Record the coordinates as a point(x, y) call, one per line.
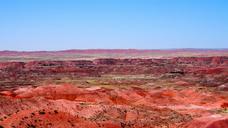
point(9, 52)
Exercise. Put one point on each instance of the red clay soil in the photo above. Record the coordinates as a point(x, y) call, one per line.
point(70, 106)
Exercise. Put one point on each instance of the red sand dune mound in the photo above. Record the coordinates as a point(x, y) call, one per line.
point(46, 106)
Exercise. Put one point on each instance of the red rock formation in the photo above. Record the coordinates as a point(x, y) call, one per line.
point(181, 103)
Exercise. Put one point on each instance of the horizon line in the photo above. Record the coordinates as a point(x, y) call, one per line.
point(108, 49)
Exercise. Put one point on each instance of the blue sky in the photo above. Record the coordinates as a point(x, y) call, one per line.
point(113, 24)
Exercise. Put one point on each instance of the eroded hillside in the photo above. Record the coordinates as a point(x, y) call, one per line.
point(184, 92)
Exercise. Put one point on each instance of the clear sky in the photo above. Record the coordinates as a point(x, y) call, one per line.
point(113, 24)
